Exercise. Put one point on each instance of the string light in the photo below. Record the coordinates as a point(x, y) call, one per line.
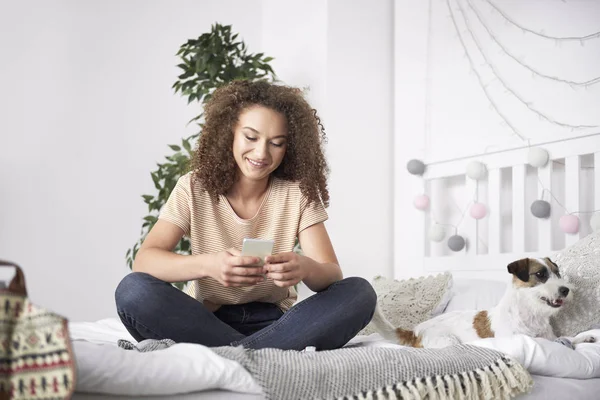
point(534, 72)
point(483, 86)
point(508, 89)
point(568, 38)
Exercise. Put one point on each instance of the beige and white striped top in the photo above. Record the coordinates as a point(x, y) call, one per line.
point(214, 227)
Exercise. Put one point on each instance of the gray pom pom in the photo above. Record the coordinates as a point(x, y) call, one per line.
point(456, 243)
point(415, 167)
point(540, 209)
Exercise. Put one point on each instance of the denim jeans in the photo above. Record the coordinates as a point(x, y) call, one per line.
point(152, 309)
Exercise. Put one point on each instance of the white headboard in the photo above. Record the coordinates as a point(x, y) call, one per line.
point(509, 231)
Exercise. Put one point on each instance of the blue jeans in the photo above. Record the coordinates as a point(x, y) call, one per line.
point(152, 309)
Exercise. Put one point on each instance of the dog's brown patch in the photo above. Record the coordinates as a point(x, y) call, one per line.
point(525, 271)
point(482, 325)
point(408, 338)
point(553, 266)
point(520, 271)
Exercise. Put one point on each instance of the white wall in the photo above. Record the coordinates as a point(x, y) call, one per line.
point(87, 111)
point(359, 121)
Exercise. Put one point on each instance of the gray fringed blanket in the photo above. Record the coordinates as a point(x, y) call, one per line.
point(457, 372)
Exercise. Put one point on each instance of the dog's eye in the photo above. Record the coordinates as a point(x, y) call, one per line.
point(541, 274)
point(590, 339)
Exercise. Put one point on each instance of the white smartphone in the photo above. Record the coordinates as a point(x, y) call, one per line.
point(258, 248)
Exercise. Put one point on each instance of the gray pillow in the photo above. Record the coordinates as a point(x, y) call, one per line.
point(579, 265)
point(407, 303)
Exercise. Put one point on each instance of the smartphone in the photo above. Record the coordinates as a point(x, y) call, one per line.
point(258, 248)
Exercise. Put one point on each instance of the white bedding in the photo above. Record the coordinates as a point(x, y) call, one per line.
point(548, 358)
point(185, 368)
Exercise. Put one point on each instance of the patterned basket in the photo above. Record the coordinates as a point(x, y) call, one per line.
point(36, 357)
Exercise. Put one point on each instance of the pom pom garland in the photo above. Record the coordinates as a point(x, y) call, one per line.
point(537, 157)
point(421, 202)
point(540, 209)
point(569, 223)
point(595, 222)
point(476, 170)
point(456, 243)
point(415, 167)
point(437, 233)
point(478, 210)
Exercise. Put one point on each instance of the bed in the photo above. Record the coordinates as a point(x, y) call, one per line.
point(479, 274)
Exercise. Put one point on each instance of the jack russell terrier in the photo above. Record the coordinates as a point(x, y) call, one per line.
point(536, 293)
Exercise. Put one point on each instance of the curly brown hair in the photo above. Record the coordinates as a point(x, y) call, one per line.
point(213, 164)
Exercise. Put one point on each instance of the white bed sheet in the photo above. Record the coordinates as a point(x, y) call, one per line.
point(549, 388)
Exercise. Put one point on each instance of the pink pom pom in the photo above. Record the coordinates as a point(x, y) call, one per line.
point(421, 202)
point(478, 210)
point(569, 223)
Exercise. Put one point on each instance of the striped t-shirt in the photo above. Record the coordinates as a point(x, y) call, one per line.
point(214, 227)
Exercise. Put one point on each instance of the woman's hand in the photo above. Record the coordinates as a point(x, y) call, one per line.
point(287, 269)
point(232, 269)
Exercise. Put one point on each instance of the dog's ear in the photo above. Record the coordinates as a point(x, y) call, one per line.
point(520, 269)
point(553, 266)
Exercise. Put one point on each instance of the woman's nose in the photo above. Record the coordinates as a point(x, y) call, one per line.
point(261, 150)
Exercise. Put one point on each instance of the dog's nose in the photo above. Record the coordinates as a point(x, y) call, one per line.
point(564, 291)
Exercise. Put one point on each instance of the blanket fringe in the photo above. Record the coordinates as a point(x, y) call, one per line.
point(503, 379)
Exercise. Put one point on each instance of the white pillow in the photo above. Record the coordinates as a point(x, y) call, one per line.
point(181, 368)
point(103, 367)
point(579, 265)
point(475, 294)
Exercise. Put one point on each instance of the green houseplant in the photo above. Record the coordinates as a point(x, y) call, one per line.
point(213, 59)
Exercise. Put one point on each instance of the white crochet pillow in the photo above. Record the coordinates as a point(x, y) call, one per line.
point(409, 302)
point(579, 265)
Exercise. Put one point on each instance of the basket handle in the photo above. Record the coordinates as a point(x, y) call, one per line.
point(17, 284)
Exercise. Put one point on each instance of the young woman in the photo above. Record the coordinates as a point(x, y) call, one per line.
point(259, 172)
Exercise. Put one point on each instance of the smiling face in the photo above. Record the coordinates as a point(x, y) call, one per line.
point(541, 281)
point(259, 142)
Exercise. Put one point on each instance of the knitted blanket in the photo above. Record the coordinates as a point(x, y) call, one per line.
point(456, 372)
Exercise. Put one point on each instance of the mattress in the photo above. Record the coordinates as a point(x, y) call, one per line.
point(199, 373)
point(204, 395)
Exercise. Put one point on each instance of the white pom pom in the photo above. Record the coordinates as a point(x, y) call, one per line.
point(595, 222)
point(437, 233)
point(476, 170)
point(537, 157)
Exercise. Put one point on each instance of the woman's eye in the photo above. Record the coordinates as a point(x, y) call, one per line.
point(277, 144)
point(252, 139)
